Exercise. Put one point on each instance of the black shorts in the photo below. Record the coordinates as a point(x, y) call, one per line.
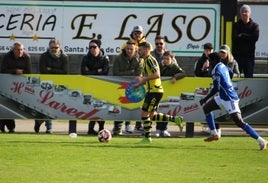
point(151, 101)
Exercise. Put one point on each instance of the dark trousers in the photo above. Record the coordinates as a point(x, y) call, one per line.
point(161, 126)
point(118, 124)
point(246, 65)
point(9, 123)
point(72, 126)
point(91, 125)
point(48, 123)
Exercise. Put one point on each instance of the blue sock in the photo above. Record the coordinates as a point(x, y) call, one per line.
point(210, 121)
point(251, 132)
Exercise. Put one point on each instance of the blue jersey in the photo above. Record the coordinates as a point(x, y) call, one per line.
point(222, 84)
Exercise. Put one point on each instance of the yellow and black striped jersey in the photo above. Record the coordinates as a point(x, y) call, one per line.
point(151, 66)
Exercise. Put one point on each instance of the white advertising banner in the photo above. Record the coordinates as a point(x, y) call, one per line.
point(186, 27)
point(257, 14)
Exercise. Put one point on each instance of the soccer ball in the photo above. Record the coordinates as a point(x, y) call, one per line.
point(104, 135)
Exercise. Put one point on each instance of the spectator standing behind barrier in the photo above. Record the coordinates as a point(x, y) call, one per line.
point(158, 52)
point(168, 67)
point(18, 62)
point(138, 36)
point(228, 59)
point(152, 78)
point(223, 94)
point(201, 68)
point(244, 38)
point(95, 63)
point(53, 61)
point(127, 63)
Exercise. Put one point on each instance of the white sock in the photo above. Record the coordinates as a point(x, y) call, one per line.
point(219, 132)
point(260, 140)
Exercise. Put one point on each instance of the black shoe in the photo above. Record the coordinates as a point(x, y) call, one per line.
point(11, 131)
point(48, 132)
point(117, 132)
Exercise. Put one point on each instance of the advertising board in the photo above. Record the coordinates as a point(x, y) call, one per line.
point(186, 27)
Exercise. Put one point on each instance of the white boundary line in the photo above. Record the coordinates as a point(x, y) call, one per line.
point(19, 115)
point(255, 113)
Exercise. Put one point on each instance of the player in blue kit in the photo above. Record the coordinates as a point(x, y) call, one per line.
point(226, 97)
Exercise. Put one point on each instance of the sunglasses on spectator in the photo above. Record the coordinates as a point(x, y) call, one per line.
point(94, 47)
point(137, 32)
point(54, 47)
point(159, 43)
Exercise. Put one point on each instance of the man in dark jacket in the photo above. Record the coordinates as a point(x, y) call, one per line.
point(245, 35)
point(95, 63)
point(127, 63)
point(53, 61)
point(18, 62)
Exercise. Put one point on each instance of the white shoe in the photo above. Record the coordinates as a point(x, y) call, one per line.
point(128, 129)
point(165, 133)
point(263, 145)
point(157, 133)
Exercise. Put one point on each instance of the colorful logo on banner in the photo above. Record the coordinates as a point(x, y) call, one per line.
point(132, 95)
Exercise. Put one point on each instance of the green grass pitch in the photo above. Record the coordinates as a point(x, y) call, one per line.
point(59, 158)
